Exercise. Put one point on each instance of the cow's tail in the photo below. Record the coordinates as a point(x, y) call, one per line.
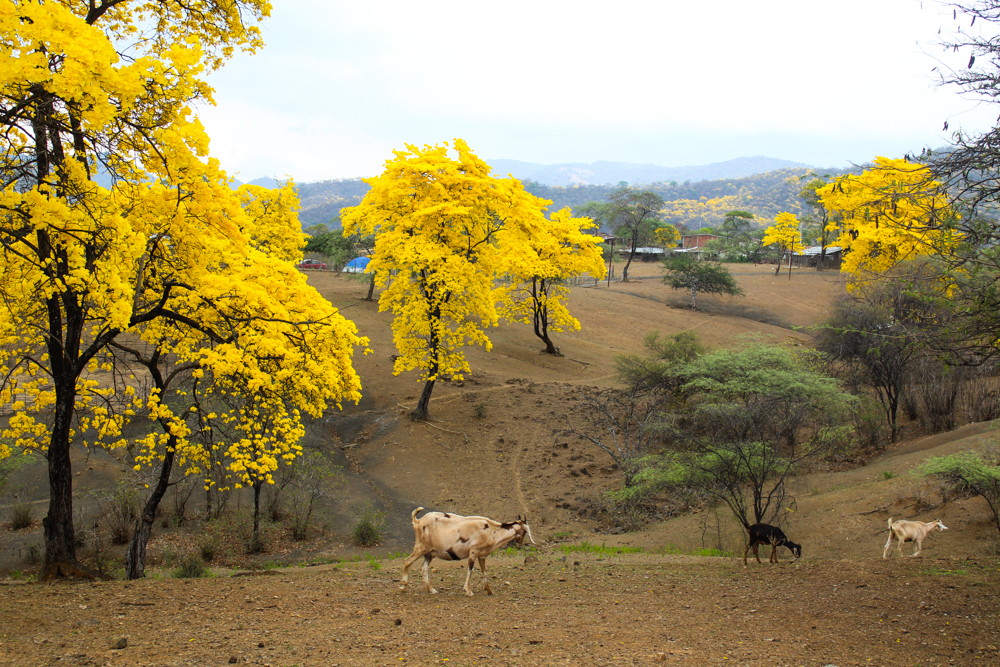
point(413, 515)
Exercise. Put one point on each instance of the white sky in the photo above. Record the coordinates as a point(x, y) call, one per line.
point(342, 83)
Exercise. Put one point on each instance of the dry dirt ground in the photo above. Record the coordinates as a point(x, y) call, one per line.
point(495, 446)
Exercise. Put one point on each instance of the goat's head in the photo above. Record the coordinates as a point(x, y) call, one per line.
point(937, 522)
point(795, 548)
point(521, 530)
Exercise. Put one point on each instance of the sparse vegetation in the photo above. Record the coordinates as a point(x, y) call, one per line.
point(22, 513)
point(368, 529)
point(190, 567)
point(976, 474)
point(120, 508)
point(600, 549)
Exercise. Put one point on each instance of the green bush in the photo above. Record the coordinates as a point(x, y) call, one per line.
point(22, 514)
point(191, 567)
point(368, 529)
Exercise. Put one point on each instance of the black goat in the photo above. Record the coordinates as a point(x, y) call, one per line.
point(761, 533)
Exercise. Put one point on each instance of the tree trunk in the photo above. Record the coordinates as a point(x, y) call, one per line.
point(421, 412)
point(135, 557)
point(694, 297)
point(628, 263)
point(541, 315)
point(256, 546)
point(371, 289)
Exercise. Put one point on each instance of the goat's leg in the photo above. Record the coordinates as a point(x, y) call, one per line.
point(406, 568)
point(745, 552)
point(427, 577)
point(888, 545)
point(468, 574)
point(899, 543)
point(920, 546)
point(756, 553)
point(482, 566)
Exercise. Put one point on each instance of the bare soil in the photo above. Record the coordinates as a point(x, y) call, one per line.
point(495, 447)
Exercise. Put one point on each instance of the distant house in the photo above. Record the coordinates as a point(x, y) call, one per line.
point(649, 254)
point(697, 240)
point(832, 258)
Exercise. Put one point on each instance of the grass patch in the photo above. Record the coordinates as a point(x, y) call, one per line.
point(710, 553)
point(600, 549)
point(938, 572)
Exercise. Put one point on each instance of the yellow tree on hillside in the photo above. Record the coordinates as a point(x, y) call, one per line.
point(784, 234)
point(165, 263)
point(668, 235)
point(560, 249)
point(889, 213)
point(440, 223)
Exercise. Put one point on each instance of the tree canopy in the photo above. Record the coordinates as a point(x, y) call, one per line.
point(559, 250)
point(685, 271)
point(444, 228)
point(168, 261)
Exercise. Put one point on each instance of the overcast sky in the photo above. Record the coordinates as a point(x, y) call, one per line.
point(340, 84)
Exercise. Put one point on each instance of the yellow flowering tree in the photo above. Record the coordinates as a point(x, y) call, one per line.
point(889, 213)
point(440, 222)
point(784, 233)
point(559, 249)
point(167, 262)
point(668, 235)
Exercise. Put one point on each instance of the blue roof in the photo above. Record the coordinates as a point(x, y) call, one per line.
point(358, 262)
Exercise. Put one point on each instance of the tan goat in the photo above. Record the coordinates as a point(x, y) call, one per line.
point(453, 537)
point(910, 531)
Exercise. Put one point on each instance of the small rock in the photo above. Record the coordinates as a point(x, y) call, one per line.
point(661, 656)
point(530, 559)
point(120, 643)
point(233, 660)
point(260, 644)
point(398, 621)
point(376, 610)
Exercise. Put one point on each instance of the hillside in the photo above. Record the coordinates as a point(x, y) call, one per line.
point(610, 173)
point(505, 422)
point(495, 447)
point(691, 203)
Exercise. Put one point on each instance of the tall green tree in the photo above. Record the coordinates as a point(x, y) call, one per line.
point(685, 271)
point(634, 215)
point(751, 417)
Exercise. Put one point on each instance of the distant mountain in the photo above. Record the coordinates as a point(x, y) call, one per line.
point(263, 181)
point(575, 184)
point(611, 173)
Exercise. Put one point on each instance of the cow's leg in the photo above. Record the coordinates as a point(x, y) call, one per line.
point(427, 577)
point(406, 568)
point(482, 566)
